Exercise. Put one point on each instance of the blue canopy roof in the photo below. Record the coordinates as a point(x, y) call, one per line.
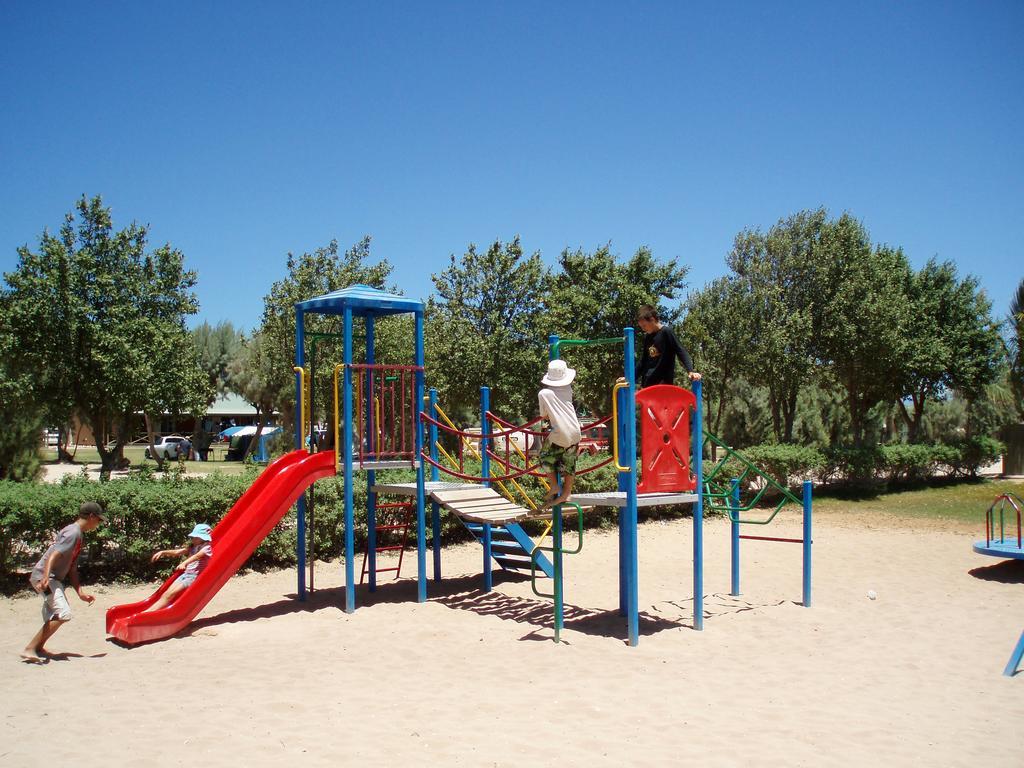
point(363, 300)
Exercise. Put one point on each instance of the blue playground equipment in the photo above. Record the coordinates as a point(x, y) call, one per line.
point(384, 420)
point(998, 544)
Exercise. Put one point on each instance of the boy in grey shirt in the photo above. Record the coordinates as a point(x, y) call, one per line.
point(53, 568)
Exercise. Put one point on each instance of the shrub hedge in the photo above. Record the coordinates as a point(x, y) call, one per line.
point(148, 512)
point(869, 466)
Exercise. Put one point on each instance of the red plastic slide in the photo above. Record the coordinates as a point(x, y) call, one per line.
point(235, 538)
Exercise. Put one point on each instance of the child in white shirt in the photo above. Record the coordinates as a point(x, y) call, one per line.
point(561, 446)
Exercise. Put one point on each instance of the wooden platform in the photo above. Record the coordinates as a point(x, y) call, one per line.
point(409, 489)
point(486, 505)
point(618, 499)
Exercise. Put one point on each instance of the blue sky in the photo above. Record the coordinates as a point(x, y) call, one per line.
point(242, 131)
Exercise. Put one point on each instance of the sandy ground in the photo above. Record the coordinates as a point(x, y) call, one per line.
point(474, 679)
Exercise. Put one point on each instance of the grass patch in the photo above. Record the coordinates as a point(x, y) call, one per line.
point(136, 454)
point(962, 501)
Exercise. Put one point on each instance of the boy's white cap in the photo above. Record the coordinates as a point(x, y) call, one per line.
point(559, 374)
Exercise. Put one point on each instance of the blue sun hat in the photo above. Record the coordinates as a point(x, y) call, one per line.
point(201, 531)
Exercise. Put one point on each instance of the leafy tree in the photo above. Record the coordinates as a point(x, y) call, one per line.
point(718, 333)
point(596, 296)
point(20, 414)
point(99, 323)
point(774, 271)
point(859, 325)
point(216, 347)
point(953, 342)
point(485, 327)
point(927, 363)
point(1015, 347)
point(251, 375)
point(309, 275)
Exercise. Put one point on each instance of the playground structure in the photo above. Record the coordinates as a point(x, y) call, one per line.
point(998, 544)
point(384, 419)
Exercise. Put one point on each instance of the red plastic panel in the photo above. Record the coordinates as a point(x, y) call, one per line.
point(665, 439)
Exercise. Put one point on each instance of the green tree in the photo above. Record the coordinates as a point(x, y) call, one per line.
point(953, 342)
point(20, 414)
point(860, 323)
point(596, 296)
point(718, 333)
point(251, 375)
point(99, 324)
point(310, 275)
point(1015, 347)
point(775, 272)
point(216, 347)
point(485, 327)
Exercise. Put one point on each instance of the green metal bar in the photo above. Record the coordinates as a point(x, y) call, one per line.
point(536, 550)
point(584, 343)
point(730, 453)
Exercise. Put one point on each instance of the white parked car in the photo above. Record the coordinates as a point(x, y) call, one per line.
point(169, 447)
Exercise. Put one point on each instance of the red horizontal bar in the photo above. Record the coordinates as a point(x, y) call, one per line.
point(773, 538)
point(383, 367)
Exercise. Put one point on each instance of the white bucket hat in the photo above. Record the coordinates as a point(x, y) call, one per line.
point(559, 374)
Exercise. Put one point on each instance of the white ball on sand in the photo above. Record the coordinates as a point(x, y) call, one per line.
point(872, 594)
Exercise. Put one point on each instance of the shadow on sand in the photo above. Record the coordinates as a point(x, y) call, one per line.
point(1005, 572)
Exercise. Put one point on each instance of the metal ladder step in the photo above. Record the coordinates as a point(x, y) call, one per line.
point(515, 562)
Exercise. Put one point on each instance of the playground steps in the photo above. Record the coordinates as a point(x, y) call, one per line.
point(475, 504)
point(510, 547)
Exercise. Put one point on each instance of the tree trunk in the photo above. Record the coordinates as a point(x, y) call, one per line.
point(789, 414)
point(63, 439)
point(150, 435)
point(108, 457)
point(774, 407)
point(856, 420)
point(913, 422)
point(255, 438)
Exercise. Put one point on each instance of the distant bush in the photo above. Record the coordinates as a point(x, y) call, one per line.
point(144, 514)
point(786, 463)
point(857, 467)
point(975, 453)
point(903, 463)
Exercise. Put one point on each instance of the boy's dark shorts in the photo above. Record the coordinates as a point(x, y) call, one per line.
point(555, 458)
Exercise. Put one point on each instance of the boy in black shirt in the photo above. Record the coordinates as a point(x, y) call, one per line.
point(661, 349)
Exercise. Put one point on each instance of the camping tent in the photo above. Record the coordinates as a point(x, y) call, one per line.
point(240, 437)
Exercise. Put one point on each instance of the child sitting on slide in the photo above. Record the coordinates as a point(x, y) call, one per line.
point(199, 551)
point(561, 446)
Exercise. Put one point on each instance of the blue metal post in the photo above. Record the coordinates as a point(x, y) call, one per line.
point(435, 474)
point(807, 543)
point(734, 507)
point(488, 576)
point(485, 472)
point(632, 576)
point(421, 517)
point(350, 585)
point(485, 431)
point(371, 475)
point(697, 439)
point(300, 510)
point(1014, 662)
